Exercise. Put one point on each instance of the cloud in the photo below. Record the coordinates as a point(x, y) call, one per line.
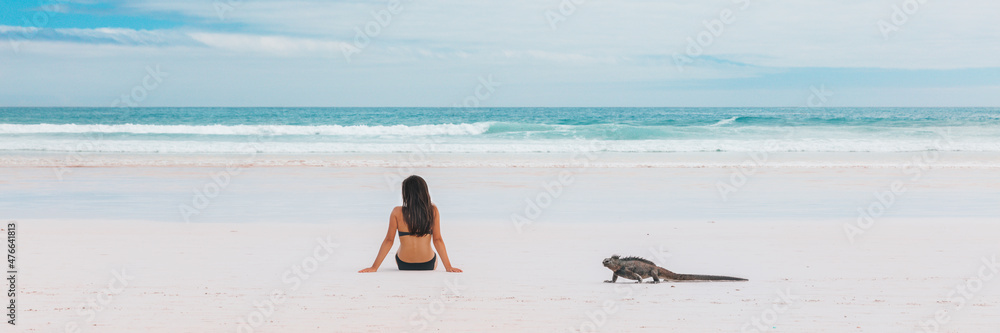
point(276, 45)
point(559, 57)
point(426, 53)
point(809, 33)
point(267, 45)
point(119, 36)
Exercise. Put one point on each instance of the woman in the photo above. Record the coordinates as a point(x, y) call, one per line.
point(417, 219)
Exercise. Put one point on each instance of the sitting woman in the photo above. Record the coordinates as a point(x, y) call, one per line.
point(418, 222)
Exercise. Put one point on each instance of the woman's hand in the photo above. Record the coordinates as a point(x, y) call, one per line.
point(368, 270)
point(453, 270)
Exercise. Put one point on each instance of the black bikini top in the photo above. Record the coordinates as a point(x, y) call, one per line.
point(403, 233)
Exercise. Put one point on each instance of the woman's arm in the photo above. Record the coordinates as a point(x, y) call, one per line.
point(390, 236)
point(439, 243)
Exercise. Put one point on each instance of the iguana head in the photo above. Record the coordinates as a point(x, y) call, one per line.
point(613, 263)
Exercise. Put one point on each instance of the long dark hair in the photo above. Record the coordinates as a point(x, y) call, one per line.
point(418, 213)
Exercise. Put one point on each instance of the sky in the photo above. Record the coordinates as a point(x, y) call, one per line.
point(447, 53)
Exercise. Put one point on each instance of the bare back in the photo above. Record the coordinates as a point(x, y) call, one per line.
point(413, 248)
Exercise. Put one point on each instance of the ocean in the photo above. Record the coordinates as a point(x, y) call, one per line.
point(657, 161)
point(496, 130)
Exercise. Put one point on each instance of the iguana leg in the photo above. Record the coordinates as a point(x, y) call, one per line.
point(614, 278)
point(629, 274)
point(656, 279)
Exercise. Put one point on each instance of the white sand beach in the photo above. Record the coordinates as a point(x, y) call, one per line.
point(195, 277)
point(105, 249)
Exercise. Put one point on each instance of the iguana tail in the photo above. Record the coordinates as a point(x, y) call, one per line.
point(666, 274)
point(693, 277)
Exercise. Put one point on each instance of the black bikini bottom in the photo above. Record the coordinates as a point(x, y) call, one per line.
point(420, 266)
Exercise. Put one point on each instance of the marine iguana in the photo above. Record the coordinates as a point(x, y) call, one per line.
point(635, 268)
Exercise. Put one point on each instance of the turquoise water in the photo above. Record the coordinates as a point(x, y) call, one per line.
point(496, 130)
